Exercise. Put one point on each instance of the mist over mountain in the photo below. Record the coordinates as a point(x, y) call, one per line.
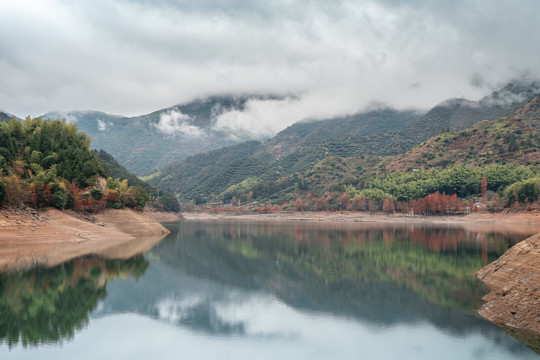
point(299, 148)
point(148, 142)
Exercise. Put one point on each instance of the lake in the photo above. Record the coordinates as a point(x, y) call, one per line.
point(252, 290)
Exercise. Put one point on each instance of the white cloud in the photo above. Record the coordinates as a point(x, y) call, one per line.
point(102, 125)
point(173, 122)
point(174, 310)
point(134, 57)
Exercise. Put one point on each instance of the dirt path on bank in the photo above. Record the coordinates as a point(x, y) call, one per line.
point(51, 237)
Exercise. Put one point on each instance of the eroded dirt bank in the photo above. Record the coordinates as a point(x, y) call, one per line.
point(514, 278)
point(51, 237)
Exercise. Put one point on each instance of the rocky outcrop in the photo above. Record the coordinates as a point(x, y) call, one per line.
point(514, 280)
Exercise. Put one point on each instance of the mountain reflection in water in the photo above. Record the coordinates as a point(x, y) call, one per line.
point(295, 286)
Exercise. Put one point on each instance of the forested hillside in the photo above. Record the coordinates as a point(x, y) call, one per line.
point(505, 151)
point(145, 143)
point(49, 163)
point(346, 131)
point(160, 200)
point(4, 117)
point(510, 139)
point(304, 153)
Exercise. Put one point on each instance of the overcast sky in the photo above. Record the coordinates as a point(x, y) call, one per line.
point(335, 57)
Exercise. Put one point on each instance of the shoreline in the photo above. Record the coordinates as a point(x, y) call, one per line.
point(514, 279)
point(348, 216)
point(526, 223)
point(50, 237)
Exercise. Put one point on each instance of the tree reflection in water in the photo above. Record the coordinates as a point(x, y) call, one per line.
point(45, 305)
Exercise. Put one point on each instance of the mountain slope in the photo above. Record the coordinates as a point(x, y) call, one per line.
point(5, 117)
point(186, 175)
point(148, 142)
point(510, 139)
point(347, 129)
point(311, 155)
point(458, 114)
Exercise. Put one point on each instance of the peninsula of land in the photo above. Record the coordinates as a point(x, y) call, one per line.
point(29, 237)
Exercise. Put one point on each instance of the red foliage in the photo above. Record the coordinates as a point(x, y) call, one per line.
point(437, 203)
point(298, 205)
point(388, 206)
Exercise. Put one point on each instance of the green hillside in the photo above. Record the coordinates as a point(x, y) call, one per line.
point(49, 163)
point(348, 131)
point(510, 139)
point(4, 117)
point(160, 200)
point(301, 149)
point(149, 142)
point(184, 175)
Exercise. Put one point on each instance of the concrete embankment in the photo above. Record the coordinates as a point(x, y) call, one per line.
point(51, 237)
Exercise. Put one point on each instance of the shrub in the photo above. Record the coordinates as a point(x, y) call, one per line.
point(97, 194)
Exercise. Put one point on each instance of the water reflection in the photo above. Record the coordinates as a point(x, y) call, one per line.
point(291, 290)
point(47, 305)
point(364, 269)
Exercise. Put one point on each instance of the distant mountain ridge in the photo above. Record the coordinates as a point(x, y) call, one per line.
point(148, 142)
point(4, 116)
point(300, 147)
point(510, 139)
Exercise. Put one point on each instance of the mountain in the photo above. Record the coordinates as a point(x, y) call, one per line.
point(295, 149)
point(510, 139)
point(311, 154)
point(458, 114)
point(145, 143)
point(5, 117)
point(345, 130)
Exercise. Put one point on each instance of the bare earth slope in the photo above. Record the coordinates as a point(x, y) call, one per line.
point(52, 237)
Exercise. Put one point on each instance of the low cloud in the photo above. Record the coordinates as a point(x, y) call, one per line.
point(103, 125)
point(173, 123)
point(335, 57)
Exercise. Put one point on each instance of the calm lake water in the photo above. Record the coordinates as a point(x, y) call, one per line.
point(265, 291)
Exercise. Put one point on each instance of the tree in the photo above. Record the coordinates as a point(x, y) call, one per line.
point(97, 194)
point(3, 191)
point(484, 187)
point(388, 206)
point(298, 205)
point(345, 201)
